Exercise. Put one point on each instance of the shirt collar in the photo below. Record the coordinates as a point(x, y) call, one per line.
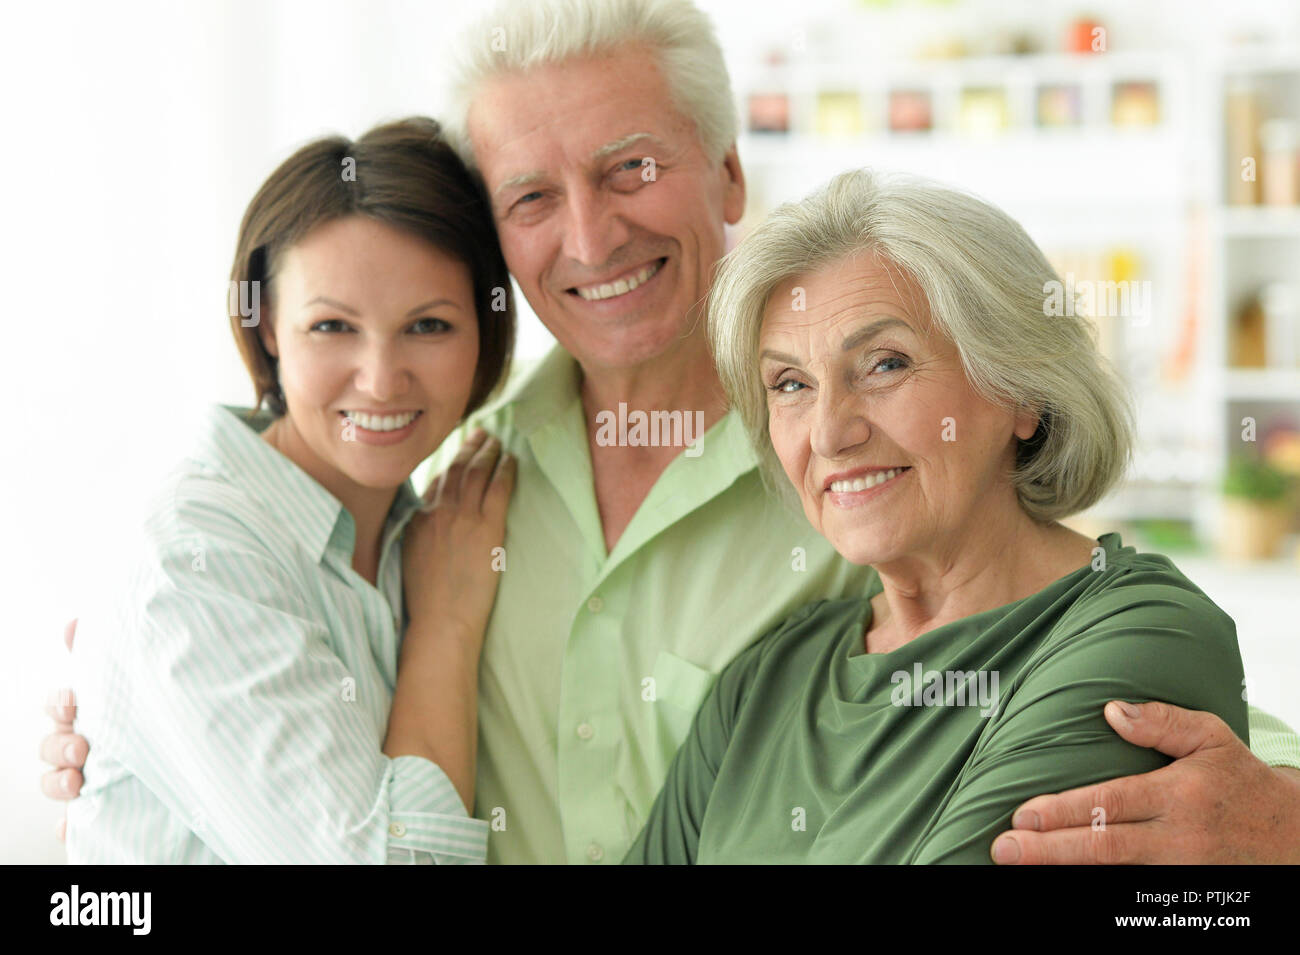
point(231, 443)
point(545, 392)
point(549, 389)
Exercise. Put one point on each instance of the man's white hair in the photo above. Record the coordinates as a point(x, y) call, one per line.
point(520, 35)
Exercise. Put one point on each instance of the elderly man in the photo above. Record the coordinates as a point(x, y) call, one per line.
point(636, 566)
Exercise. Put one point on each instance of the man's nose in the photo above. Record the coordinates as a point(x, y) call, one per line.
point(593, 230)
point(839, 424)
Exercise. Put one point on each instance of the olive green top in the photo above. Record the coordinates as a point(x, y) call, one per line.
point(809, 749)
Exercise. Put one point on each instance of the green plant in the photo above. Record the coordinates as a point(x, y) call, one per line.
point(1254, 480)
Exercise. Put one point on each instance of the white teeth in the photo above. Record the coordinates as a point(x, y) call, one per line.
point(609, 290)
point(386, 422)
point(865, 482)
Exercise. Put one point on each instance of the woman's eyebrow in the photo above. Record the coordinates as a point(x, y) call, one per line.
point(870, 331)
point(853, 341)
point(332, 304)
point(432, 303)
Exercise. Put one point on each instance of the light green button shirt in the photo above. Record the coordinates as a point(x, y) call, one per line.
point(595, 664)
point(236, 692)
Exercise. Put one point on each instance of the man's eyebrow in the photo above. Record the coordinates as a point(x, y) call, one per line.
point(432, 303)
point(859, 337)
point(602, 152)
point(619, 145)
point(524, 179)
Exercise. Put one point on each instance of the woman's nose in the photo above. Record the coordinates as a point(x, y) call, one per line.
point(839, 424)
point(382, 374)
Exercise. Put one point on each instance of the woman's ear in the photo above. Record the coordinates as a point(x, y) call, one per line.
point(266, 331)
point(1027, 418)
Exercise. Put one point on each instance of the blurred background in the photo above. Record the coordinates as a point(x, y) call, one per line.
point(1152, 149)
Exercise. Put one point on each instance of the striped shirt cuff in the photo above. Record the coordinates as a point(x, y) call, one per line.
point(427, 816)
point(1273, 741)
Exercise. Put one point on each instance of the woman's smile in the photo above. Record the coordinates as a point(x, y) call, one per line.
point(380, 428)
point(858, 488)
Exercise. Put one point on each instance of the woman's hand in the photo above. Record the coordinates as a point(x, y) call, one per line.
point(448, 553)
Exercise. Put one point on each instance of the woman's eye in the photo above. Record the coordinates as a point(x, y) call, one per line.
point(329, 325)
point(528, 197)
point(885, 361)
point(430, 326)
point(782, 386)
point(629, 164)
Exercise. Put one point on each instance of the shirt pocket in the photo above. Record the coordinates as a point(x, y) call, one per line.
point(680, 687)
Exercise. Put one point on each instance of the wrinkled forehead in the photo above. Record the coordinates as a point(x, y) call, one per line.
point(834, 302)
point(573, 112)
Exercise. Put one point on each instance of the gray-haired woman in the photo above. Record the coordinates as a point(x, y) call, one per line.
point(886, 343)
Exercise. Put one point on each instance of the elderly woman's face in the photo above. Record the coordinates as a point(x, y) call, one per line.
point(890, 448)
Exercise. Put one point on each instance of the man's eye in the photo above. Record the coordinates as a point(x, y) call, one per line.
point(629, 164)
point(430, 326)
point(329, 325)
point(529, 197)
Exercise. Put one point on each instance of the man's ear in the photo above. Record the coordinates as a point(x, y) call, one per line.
point(733, 196)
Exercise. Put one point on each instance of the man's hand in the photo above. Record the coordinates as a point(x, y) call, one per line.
point(1216, 804)
point(63, 749)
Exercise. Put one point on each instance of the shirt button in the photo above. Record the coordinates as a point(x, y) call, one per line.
point(595, 853)
point(595, 605)
point(585, 731)
point(397, 829)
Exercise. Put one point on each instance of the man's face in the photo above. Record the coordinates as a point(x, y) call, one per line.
point(614, 252)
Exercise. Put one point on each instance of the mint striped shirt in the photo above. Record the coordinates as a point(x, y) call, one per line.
point(236, 692)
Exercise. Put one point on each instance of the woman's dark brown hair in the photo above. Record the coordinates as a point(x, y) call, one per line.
point(403, 174)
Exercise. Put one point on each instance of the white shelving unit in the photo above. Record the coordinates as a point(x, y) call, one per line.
point(1250, 245)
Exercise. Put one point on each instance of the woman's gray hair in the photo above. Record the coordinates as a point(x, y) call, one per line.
point(986, 285)
point(520, 35)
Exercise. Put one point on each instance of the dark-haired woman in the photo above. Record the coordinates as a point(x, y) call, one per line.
point(260, 691)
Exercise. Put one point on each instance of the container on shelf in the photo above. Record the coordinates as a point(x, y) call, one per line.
point(1241, 130)
point(910, 111)
point(1280, 167)
point(769, 113)
point(1281, 310)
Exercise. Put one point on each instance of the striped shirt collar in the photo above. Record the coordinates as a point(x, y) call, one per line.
point(231, 444)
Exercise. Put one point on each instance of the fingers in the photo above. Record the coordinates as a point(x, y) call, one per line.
point(61, 829)
point(497, 497)
point(446, 490)
point(69, 633)
point(64, 750)
point(62, 708)
point(1127, 799)
point(1114, 845)
point(480, 471)
point(61, 783)
point(1170, 729)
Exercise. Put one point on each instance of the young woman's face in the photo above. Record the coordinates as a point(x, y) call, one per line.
point(377, 341)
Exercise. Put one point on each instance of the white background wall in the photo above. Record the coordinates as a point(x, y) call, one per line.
point(135, 132)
